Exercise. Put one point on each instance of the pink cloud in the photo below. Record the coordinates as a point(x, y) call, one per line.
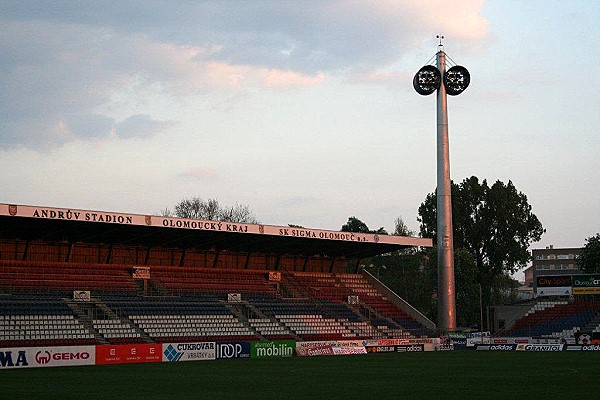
point(290, 79)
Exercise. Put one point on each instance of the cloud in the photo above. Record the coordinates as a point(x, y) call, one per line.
point(63, 63)
point(140, 126)
point(287, 79)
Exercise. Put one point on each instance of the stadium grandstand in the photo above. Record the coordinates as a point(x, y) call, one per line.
point(77, 277)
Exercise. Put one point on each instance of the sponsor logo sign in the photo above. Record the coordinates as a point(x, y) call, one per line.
point(13, 358)
point(275, 276)
point(234, 297)
point(58, 356)
point(385, 342)
point(141, 273)
point(81, 295)
point(344, 351)
point(175, 352)
point(330, 348)
point(314, 349)
point(233, 350)
point(128, 353)
point(553, 281)
point(539, 347)
point(410, 348)
point(496, 347)
point(589, 347)
point(381, 349)
point(586, 284)
point(554, 291)
point(272, 348)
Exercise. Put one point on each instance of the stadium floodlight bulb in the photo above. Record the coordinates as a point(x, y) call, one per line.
point(427, 80)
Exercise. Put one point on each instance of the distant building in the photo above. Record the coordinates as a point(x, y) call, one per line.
point(551, 261)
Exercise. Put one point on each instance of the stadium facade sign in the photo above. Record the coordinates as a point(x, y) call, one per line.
point(194, 224)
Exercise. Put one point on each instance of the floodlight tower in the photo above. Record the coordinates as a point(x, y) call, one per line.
point(426, 81)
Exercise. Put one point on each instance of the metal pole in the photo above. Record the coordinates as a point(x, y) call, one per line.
point(445, 245)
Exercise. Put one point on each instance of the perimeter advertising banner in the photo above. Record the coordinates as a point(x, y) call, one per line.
point(272, 348)
point(539, 347)
point(128, 353)
point(57, 356)
point(330, 348)
point(233, 350)
point(197, 351)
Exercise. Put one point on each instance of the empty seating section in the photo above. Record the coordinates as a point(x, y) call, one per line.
point(270, 329)
point(184, 304)
point(39, 320)
point(556, 319)
point(63, 276)
point(322, 286)
point(117, 331)
point(193, 280)
point(316, 327)
point(177, 320)
point(178, 328)
point(337, 288)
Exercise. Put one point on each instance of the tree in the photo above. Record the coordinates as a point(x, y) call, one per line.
point(589, 258)
point(495, 225)
point(356, 225)
point(211, 210)
point(400, 228)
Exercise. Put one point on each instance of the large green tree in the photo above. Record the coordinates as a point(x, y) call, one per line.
point(589, 258)
point(494, 224)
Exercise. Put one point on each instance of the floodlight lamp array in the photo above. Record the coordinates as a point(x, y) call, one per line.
point(428, 79)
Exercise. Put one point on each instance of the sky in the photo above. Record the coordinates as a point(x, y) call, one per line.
point(302, 110)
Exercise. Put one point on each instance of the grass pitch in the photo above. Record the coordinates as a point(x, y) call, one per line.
point(435, 375)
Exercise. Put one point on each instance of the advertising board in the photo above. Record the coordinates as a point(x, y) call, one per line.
point(198, 351)
point(56, 356)
point(272, 348)
point(330, 348)
point(409, 348)
point(495, 347)
point(586, 284)
point(128, 353)
point(589, 347)
point(233, 350)
point(539, 347)
point(554, 291)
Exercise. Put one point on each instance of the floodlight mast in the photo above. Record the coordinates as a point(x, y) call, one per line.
point(452, 82)
point(445, 241)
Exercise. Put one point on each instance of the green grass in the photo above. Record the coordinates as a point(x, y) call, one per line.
point(435, 375)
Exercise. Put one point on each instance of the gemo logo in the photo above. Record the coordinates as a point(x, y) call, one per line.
point(44, 357)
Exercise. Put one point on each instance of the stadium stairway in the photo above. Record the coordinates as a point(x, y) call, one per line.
point(83, 311)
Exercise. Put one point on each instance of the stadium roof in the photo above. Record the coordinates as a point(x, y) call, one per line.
point(73, 225)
